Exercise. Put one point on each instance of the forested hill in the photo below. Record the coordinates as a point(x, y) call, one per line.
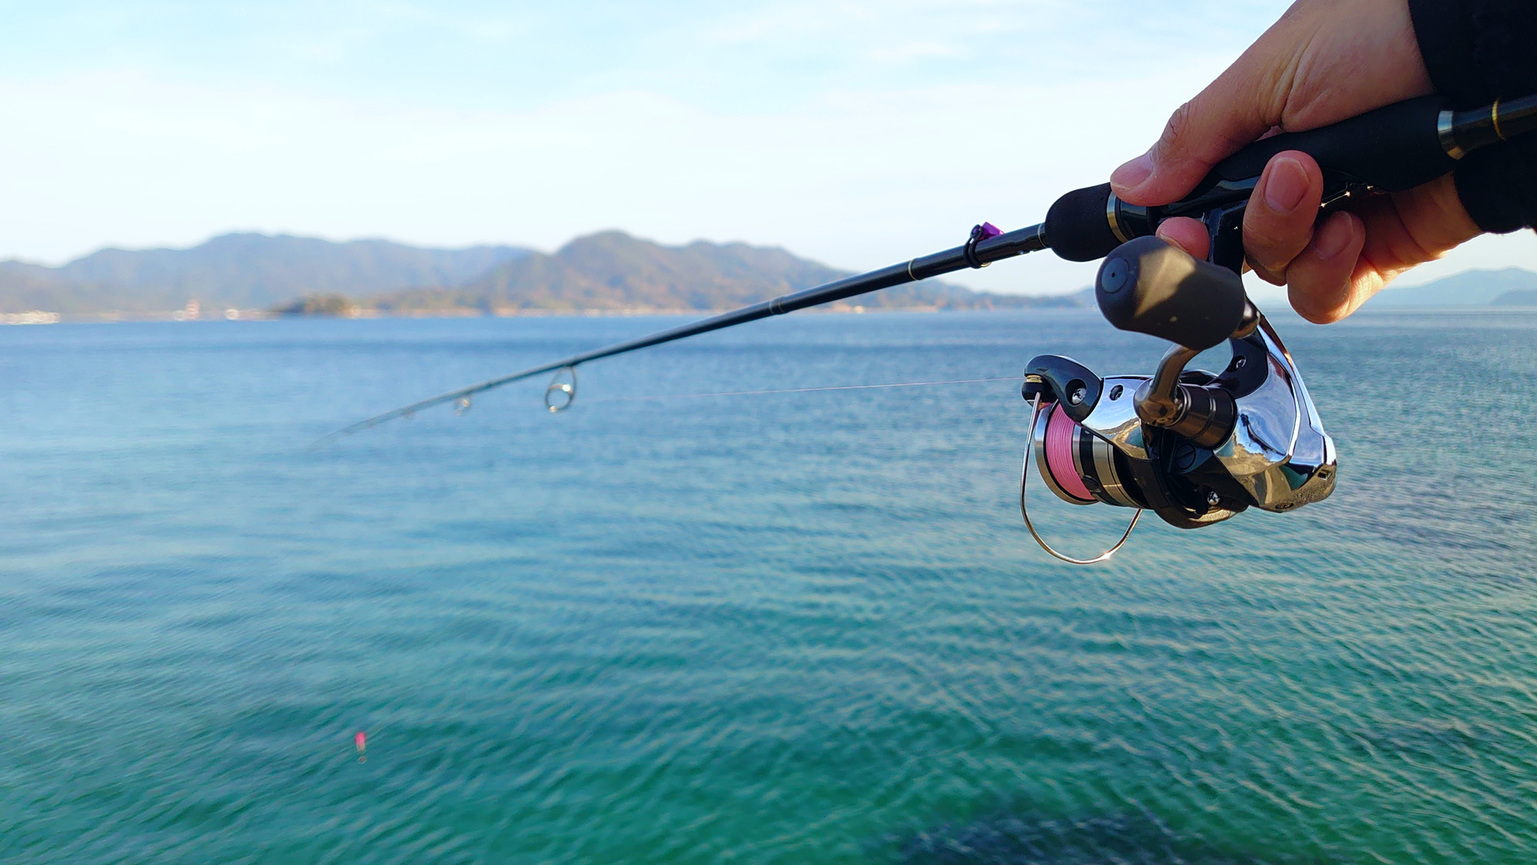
point(614, 271)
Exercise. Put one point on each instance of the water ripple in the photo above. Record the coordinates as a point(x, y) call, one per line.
point(795, 629)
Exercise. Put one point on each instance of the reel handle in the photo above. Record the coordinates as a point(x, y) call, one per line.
point(1147, 286)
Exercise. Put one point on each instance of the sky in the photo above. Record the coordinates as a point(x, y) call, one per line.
point(856, 133)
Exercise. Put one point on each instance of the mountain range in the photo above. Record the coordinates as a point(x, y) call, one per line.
point(244, 271)
point(613, 271)
point(1509, 287)
point(608, 271)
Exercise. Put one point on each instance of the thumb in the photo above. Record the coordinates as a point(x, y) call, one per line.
point(1209, 128)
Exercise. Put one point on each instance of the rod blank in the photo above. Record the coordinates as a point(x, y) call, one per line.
point(984, 252)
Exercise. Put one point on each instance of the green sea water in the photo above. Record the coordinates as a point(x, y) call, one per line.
point(792, 628)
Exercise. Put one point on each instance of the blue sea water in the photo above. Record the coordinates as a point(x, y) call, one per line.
point(791, 628)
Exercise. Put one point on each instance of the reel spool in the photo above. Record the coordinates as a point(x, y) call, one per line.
point(1079, 467)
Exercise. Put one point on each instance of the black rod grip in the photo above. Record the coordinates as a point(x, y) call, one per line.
point(1147, 286)
point(1393, 148)
point(1078, 224)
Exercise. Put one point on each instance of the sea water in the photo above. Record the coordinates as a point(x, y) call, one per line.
point(802, 627)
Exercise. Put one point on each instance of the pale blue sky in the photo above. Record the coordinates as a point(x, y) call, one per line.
point(856, 132)
point(744, 57)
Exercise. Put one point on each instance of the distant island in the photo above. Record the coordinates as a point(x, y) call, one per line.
point(263, 276)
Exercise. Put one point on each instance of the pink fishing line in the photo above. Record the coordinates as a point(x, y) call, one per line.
point(1059, 455)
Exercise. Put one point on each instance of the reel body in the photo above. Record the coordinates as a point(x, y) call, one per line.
point(1194, 447)
point(1261, 443)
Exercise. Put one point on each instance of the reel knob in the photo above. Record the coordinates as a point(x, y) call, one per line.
point(1147, 286)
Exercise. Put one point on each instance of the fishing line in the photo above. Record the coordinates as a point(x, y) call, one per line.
point(823, 389)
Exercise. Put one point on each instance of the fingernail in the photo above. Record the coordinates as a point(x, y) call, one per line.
point(1334, 236)
point(1285, 184)
point(1172, 241)
point(1132, 174)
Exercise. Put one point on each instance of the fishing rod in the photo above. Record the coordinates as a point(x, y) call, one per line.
point(1194, 447)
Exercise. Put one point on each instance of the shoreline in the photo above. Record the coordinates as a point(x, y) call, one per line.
point(42, 317)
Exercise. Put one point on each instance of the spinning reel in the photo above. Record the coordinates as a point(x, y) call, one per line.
point(1194, 447)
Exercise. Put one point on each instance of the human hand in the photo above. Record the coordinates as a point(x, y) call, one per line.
point(1324, 61)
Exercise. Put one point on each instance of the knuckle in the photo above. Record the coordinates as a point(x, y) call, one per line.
point(1305, 305)
point(1178, 127)
point(1321, 317)
point(1271, 251)
point(1272, 241)
point(1269, 273)
point(1319, 297)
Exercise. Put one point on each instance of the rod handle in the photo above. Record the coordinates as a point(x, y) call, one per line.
point(1393, 148)
point(1147, 286)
